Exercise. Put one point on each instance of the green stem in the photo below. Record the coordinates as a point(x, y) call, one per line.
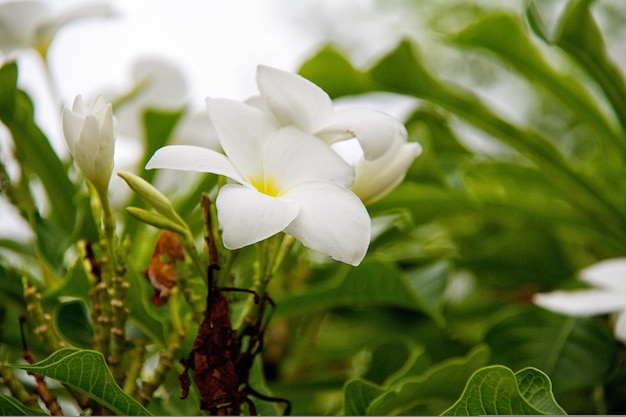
point(113, 279)
point(270, 255)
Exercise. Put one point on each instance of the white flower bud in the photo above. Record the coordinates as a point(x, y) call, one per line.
point(90, 132)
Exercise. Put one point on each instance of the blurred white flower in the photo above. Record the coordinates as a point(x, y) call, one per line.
point(608, 295)
point(90, 131)
point(293, 100)
point(284, 180)
point(30, 24)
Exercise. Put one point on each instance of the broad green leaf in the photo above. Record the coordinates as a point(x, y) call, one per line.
point(504, 35)
point(573, 352)
point(536, 388)
point(496, 390)
point(33, 149)
point(358, 394)
point(343, 80)
point(9, 406)
point(371, 284)
point(87, 372)
point(432, 391)
point(579, 35)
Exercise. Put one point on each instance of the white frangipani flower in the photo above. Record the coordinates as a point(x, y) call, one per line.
point(376, 178)
point(30, 24)
point(90, 131)
point(293, 100)
point(608, 295)
point(284, 180)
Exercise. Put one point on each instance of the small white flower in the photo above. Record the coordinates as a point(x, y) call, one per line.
point(284, 180)
point(29, 23)
point(90, 132)
point(293, 100)
point(608, 295)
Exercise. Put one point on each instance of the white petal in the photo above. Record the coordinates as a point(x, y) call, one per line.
point(242, 131)
point(375, 131)
point(72, 126)
point(375, 179)
point(619, 328)
point(292, 156)
point(581, 303)
point(247, 216)
point(332, 221)
point(193, 158)
point(609, 274)
point(293, 99)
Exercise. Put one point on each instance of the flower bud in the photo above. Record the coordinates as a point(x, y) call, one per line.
point(154, 198)
point(90, 132)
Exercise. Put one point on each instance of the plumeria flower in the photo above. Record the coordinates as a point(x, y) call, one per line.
point(283, 180)
point(90, 131)
point(295, 101)
point(30, 24)
point(376, 178)
point(608, 295)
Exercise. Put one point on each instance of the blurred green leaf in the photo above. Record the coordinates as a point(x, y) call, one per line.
point(432, 391)
point(72, 320)
point(142, 311)
point(496, 390)
point(574, 352)
point(358, 394)
point(344, 80)
point(505, 36)
point(33, 149)
point(9, 406)
point(158, 126)
point(579, 35)
point(372, 284)
point(87, 372)
point(402, 71)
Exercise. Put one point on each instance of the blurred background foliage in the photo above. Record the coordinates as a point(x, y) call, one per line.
point(521, 111)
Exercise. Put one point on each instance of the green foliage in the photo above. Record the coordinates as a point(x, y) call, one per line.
point(437, 319)
point(87, 372)
point(497, 390)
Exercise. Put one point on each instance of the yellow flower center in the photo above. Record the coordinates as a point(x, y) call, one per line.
point(266, 186)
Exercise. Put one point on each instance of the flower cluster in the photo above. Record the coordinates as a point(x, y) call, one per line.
point(285, 176)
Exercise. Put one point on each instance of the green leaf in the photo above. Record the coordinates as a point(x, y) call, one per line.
point(496, 390)
point(33, 149)
point(574, 352)
point(536, 388)
point(141, 311)
point(87, 372)
point(358, 394)
point(504, 35)
point(9, 406)
point(403, 72)
point(438, 386)
point(343, 80)
point(579, 35)
point(72, 321)
point(370, 284)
